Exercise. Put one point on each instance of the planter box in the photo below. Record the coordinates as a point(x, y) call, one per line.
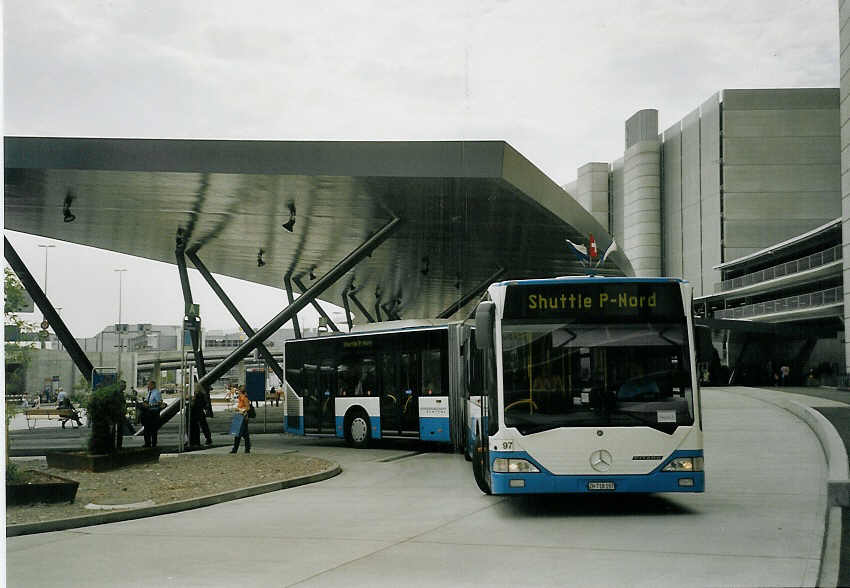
point(40, 487)
point(80, 460)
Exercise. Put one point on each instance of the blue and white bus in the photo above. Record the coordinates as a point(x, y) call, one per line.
point(585, 384)
point(391, 379)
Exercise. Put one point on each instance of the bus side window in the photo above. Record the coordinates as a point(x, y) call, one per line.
point(432, 377)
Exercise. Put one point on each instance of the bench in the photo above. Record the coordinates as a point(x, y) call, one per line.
point(63, 415)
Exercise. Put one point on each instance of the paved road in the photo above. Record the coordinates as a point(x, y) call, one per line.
point(418, 520)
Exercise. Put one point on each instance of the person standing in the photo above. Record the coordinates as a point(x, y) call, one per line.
point(243, 406)
point(151, 416)
point(199, 418)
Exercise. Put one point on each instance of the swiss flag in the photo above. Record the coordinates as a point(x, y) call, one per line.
point(592, 251)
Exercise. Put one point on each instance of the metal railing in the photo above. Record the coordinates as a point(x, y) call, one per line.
point(811, 300)
point(783, 269)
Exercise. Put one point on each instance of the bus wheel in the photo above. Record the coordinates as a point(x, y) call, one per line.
point(357, 430)
point(478, 470)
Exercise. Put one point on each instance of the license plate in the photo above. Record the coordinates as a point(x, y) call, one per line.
point(600, 486)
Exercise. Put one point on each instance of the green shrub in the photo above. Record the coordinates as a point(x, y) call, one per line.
point(13, 473)
point(105, 407)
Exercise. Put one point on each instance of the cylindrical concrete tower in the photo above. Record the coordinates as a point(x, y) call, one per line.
point(642, 194)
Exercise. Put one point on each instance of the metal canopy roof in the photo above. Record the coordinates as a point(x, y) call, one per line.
point(468, 208)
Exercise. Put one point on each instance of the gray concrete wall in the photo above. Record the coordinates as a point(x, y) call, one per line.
point(641, 126)
point(691, 202)
point(617, 201)
point(642, 207)
point(781, 165)
point(710, 203)
point(591, 190)
point(671, 202)
point(844, 117)
point(47, 363)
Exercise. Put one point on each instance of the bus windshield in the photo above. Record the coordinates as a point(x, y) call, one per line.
point(591, 375)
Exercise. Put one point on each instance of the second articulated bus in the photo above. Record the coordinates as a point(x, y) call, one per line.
point(394, 379)
point(579, 384)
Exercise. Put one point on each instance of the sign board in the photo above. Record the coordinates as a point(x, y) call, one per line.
point(588, 302)
point(103, 376)
point(255, 383)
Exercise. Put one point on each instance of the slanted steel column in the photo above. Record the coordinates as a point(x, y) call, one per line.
point(361, 308)
point(34, 290)
point(228, 303)
point(389, 309)
point(347, 309)
point(194, 333)
point(474, 293)
point(290, 297)
point(315, 304)
point(287, 313)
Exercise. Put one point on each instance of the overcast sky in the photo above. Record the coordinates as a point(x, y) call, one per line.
point(555, 79)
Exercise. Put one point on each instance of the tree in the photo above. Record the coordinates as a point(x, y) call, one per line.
point(18, 354)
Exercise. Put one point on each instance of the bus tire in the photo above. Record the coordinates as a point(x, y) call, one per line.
point(357, 429)
point(478, 471)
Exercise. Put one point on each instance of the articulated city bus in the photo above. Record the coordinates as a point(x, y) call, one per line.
point(392, 379)
point(585, 384)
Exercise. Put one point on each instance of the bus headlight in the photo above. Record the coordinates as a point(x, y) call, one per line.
point(503, 465)
point(685, 464)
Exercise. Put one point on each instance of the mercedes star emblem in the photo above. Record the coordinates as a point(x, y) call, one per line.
point(601, 460)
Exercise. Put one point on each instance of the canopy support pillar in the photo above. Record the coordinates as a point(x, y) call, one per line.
point(34, 290)
point(322, 284)
point(288, 285)
point(474, 293)
point(347, 309)
point(190, 319)
point(228, 304)
point(361, 308)
point(316, 305)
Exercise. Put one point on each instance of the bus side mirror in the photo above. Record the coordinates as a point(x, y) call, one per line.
point(702, 340)
point(484, 325)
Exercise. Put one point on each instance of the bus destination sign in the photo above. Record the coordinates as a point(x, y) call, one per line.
point(595, 301)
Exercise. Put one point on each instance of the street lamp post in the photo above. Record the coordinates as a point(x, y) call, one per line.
point(120, 305)
point(46, 248)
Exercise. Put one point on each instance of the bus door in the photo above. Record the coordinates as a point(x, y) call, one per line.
point(390, 397)
point(399, 393)
point(408, 373)
point(310, 393)
point(327, 393)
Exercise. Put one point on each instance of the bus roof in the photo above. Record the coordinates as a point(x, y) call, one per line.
point(383, 327)
point(589, 279)
point(401, 324)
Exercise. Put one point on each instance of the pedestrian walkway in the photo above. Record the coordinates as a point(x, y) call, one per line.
point(398, 517)
point(834, 405)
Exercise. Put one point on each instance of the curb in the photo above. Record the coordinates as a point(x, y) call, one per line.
point(169, 507)
point(837, 484)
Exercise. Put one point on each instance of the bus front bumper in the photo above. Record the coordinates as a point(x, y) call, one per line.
point(544, 482)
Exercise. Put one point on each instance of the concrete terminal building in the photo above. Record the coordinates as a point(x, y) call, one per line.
point(744, 172)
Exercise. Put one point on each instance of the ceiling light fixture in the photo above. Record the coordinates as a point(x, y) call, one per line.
point(290, 224)
point(68, 216)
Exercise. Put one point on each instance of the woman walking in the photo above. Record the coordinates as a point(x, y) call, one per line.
point(243, 407)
